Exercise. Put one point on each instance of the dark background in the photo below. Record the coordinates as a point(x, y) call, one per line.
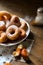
point(25, 7)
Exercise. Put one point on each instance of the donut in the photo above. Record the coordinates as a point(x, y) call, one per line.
point(15, 20)
point(2, 26)
point(23, 25)
point(7, 22)
point(5, 18)
point(2, 13)
point(12, 32)
point(3, 36)
point(22, 33)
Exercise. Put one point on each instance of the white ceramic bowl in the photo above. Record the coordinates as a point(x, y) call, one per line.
point(19, 41)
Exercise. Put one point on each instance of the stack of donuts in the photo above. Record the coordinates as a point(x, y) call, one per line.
point(11, 28)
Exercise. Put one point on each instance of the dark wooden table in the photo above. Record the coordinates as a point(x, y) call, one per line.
point(22, 9)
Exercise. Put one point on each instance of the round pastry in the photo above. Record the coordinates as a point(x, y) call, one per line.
point(2, 13)
point(23, 25)
point(22, 33)
point(3, 36)
point(2, 26)
point(12, 32)
point(15, 20)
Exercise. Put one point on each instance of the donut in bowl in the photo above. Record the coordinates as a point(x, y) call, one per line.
point(12, 32)
point(15, 20)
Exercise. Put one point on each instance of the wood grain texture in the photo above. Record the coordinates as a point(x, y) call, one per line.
point(37, 51)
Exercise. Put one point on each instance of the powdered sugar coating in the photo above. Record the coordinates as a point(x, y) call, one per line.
point(2, 23)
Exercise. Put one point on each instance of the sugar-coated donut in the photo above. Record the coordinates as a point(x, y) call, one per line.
point(3, 36)
point(22, 33)
point(12, 32)
point(2, 13)
point(2, 26)
point(15, 20)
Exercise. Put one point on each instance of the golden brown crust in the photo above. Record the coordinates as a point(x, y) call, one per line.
point(24, 52)
point(2, 13)
point(3, 36)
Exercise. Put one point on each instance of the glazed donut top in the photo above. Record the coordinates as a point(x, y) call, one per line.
point(11, 28)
